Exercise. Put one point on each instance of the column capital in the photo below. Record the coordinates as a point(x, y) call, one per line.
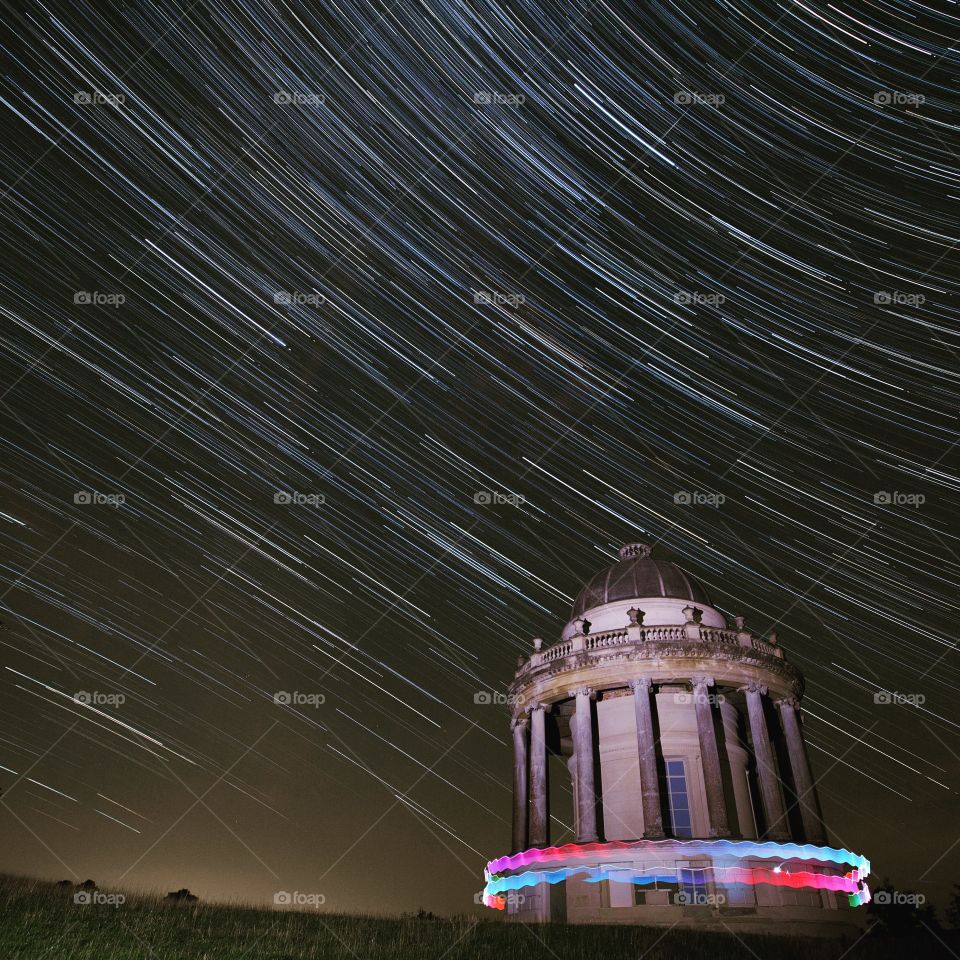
point(641, 683)
point(755, 687)
point(699, 680)
point(545, 707)
point(518, 722)
point(792, 702)
point(583, 692)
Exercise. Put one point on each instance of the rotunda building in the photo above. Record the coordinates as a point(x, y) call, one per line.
point(693, 799)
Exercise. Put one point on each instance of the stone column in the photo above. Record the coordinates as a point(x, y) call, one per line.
point(710, 757)
point(777, 828)
point(583, 746)
point(521, 783)
point(813, 828)
point(539, 797)
point(647, 750)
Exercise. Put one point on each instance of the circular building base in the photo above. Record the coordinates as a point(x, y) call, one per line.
point(723, 885)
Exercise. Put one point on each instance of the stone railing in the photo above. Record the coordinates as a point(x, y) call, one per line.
point(764, 647)
point(635, 633)
point(663, 634)
point(557, 652)
point(611, 638)
point(718, 635)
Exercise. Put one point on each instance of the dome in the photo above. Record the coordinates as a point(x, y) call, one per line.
point(638, 575)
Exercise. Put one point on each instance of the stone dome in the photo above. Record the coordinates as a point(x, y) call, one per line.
point(638, 575)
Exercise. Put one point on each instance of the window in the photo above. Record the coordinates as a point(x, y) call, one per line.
point(693, 885)
point(661, 889)
point(678, 803)
point(619, 884)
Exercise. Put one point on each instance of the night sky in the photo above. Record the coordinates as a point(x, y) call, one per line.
point(287, 286)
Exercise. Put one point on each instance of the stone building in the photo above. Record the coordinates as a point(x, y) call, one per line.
point(692, 794)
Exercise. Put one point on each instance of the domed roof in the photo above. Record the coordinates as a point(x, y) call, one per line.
point(636, 575)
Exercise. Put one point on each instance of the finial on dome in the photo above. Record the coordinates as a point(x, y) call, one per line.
point(630, 550)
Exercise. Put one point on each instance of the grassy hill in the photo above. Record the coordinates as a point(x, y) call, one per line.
point(39, 921)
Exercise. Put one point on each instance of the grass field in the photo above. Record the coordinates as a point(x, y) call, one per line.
point(39, 921)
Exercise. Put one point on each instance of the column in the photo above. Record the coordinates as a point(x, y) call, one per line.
point(777, 828)
point(710, 757)
point(647, 750)
point(539, 799)
point(813, 828)
point(521, 794)
point(583, 746)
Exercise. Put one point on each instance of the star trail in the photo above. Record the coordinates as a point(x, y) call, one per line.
point(342, 343)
